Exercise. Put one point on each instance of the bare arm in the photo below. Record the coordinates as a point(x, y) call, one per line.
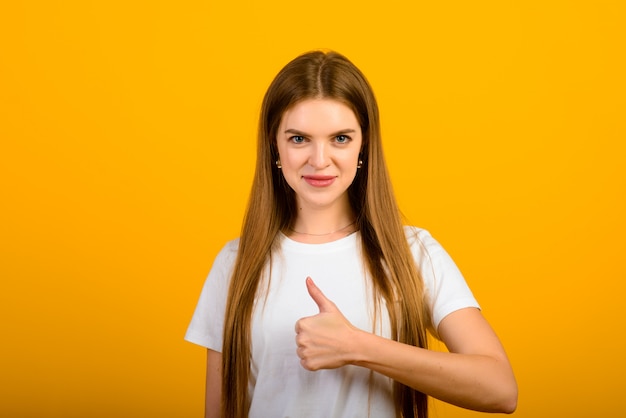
point(213, 394)
point(476, 374)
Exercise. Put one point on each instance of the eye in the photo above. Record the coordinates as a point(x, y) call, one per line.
point(342, 139)
point(297, 139)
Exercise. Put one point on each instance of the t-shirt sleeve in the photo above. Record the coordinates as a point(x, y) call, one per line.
point(445, 286)
point(207, 323)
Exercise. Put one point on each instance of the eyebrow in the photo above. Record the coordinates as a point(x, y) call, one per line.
point(341, 132)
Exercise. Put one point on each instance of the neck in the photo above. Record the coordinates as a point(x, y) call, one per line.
point(338, 230)
point(319, 226)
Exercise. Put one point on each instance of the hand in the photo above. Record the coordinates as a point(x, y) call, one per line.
point(324, 339)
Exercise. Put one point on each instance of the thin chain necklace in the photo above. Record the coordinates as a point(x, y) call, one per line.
point(323, 235)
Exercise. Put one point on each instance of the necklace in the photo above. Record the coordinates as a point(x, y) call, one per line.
point(322, 235)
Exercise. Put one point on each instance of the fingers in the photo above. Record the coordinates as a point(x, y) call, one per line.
point(312, 331)
point(323, 303)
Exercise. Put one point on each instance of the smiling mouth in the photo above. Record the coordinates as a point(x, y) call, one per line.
point(319, 181)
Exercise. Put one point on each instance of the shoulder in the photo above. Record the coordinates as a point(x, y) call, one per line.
point(415, 233)
point(224, 261)
point(444, 283)
point(428, 253)
point(421, 241)
point(229, 251)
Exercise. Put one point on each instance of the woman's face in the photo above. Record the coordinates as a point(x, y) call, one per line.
point(319, 141)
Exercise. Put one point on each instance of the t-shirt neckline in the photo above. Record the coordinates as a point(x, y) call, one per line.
point(347, 241)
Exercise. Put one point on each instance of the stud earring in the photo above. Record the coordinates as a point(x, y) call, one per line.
point(360, 164)
point(278, 164)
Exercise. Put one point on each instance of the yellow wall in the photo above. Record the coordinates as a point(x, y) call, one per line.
point(126, 152)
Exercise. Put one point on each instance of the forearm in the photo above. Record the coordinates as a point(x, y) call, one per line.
point(475, 374)
point(473, 381)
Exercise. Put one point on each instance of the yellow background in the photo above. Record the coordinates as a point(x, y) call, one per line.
point(127, 134)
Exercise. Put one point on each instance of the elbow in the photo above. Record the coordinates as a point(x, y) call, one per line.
point(504, 405)
point(509, 406)
point(505, 395)
point(507, 401)
point(499, 399)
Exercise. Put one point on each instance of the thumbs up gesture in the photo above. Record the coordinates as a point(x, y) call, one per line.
point(324, 340)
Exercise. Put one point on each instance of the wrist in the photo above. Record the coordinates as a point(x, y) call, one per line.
point(358, 345)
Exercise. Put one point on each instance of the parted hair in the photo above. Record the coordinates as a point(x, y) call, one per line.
point(272, 209)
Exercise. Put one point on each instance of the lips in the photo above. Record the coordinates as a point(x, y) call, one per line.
point(319, 181)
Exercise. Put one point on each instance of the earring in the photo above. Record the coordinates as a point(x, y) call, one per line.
point(360, 164)
point(278, 164)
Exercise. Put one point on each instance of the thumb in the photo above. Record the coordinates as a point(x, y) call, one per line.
point(325, 304)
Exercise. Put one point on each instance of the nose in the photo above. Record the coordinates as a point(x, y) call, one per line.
point(320, 155)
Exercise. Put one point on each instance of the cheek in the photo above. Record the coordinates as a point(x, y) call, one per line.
point(352, 159)
point(291, 168)
point(295, 159)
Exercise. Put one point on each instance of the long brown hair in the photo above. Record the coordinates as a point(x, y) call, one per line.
point(271, 208)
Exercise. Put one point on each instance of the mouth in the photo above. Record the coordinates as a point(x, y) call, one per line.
point(319, 181)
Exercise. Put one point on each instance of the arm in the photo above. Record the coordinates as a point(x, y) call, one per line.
point(213, 384)
point(475, 374)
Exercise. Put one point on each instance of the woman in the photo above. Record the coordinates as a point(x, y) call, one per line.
point(321, 308)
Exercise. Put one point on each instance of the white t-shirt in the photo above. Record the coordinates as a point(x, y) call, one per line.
point(280, 386)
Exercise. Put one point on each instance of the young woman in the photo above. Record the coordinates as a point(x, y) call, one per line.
point(321, 308)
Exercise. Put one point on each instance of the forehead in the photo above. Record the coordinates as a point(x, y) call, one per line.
point(319, 116)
